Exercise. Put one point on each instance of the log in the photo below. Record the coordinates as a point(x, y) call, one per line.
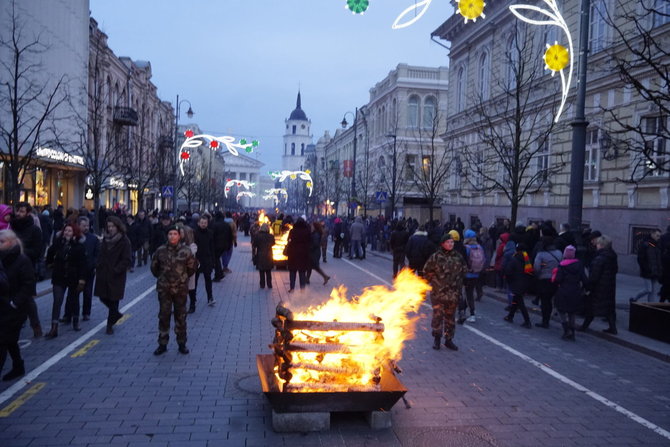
point(333, 326)
point(327, 387)
point(283, 311)
point(319, 347)
point(325, 368)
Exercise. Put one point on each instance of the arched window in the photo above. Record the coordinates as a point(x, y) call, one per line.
point(413, 112)
point(429, 111)
point(302, 149)
point(460, 90)
point(394, 116)
point(292, 148)
point(484, 70)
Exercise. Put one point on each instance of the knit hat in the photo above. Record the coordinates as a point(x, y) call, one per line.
point(470, 234)
point(569, 252)
point(445, 237)
point(454, 235)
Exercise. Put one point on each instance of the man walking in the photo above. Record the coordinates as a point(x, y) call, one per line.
point(223, 242)
point(204, 239)
point(399, 239)
point(143, 236)
point(172, 265)
point(357, 234)
point(92, 248)
point(649, 260)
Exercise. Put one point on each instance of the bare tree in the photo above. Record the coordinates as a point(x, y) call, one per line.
point(513, 129)
point(364, 173)
point(391, 167)
point(641, 58)
point(27, 101)
point(435, 163)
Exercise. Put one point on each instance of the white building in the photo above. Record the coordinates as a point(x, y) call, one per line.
point(296, 139)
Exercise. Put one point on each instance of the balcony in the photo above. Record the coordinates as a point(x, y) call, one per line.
point(125, 116)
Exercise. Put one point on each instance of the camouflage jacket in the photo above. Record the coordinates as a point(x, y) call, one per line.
point(172, 265)
point(445, 271)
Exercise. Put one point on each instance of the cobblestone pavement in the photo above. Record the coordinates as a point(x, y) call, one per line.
point(506, 386)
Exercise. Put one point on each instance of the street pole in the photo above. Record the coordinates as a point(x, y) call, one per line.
point(353, 167)
point(579, 125)
point(176, 163)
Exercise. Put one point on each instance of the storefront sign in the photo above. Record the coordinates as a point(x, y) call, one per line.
point(53, 154)
point(88, 193)
point(116, 183)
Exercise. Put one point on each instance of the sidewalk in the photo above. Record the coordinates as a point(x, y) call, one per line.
point(627, 286)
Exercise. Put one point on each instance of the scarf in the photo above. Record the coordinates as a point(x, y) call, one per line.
point(527, 266)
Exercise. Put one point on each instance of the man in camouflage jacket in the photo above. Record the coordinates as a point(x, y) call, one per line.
point(445, 270)
point(172, 264)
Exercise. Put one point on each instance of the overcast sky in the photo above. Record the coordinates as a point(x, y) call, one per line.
point(240, 62)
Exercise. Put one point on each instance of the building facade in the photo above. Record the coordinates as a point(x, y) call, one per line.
point(625, 193)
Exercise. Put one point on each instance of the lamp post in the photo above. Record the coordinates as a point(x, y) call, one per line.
point(353, 166)
point(579, 124)
point(393, 174)
point(190, 114)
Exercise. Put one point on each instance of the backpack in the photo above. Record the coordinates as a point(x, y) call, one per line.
point(476, 259)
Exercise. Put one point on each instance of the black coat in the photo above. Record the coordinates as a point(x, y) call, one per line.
point(223, 235)
point(649, 259)
point(570, 278)
point(30, 235)
point(398, 241)
point(92, 247)
point(418, 250)
point(602, 283)
point(315, 249)
point(68, 259)
point(143, 230)
point(519, 282)
point(158, 236)
point(112, 268)
point(204, 239)
point(262, 245)
point(17, 290)
point(299, 242)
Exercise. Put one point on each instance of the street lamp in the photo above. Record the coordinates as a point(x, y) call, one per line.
point(393, 174)
point(190, 114)
point(353, 166)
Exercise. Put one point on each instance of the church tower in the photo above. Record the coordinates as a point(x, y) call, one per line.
point(296, 139)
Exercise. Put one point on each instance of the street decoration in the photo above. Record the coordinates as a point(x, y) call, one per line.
point(192, 141)
point(244, 194)
point(357, 6)
point(239, 183)
point(274, 193)
point(556, 57)
point(471, 9)
point(293, 175)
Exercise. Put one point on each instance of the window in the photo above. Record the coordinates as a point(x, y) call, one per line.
point(425, 165)
point(302, 149)
point(285, 149)
point(479, 170)
point(410, 164)
point(413, 112)
point(429, 110)
point(656, 145)
point(455, 178)
point(484, 69)
point(460, 90)
point(293, 130)
point(512, 61)
point(598, 26)
point(661, 12)
point(292, 148)
point(542, 163)
point(592, 156)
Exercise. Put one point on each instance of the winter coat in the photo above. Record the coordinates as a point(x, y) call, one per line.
point(17, 286)
point(233, 229)
point(4, 211)
point(299, 242)
point(30, 235)
point(134, 236)
point(47, 229)
point(602, 282)
point(92, 248)
point(398, 242)
point(204, 239)
point(191, 279)
point(315, 250)
point(357, 230)
point(570, 279)
point(68, 259)
point(445, 271)
point(113, 263)
point(649, 259)
point(418, 249)
point(262, 243)
point(158, 236)
point(519, 282)
point(172, 265)
point(487, 244)
point(223, 235)
point(500, 251)
point(564, 239)
point(143, 230)
point(546, 261)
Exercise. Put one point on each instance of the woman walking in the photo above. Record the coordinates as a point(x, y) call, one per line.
point(570, 279)
point(315, 252)
point(518, 272)
point(67, 256)
point(297, 251)
point(261, 245)
point(188, 238)
point(602, 285)
point(547, 259)
point(112, 268)
point(17, 286)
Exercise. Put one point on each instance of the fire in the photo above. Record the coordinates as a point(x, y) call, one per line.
point(262, 218)
point(353, 359)
point(280, 244)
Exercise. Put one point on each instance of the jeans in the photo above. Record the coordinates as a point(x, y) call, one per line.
point(113, 306)
point(208, 281)
point(71, 305)
point(545, 293)
point(355, 249)
point(266, 278)
point(303, 278)
point(518, 302)
point(398, 262)
point(88, 294)
point(225, 258)
point(651, 289)
point(337, 248)
point(470, 285)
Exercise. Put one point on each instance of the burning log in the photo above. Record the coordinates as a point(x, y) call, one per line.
point(332, 326)
point(328, 348)
point(326, 368)
point(328, 387)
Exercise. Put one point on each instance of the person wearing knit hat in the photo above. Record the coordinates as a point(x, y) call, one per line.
point(570, 279)
point(475, 260)
point(455, 235)
point(569, 252)
point(518, 272)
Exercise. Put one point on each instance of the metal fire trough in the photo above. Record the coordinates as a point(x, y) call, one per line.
point(310, 410)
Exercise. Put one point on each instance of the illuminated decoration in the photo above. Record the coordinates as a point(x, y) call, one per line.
point(471, 9)
point(555, 56)
point(302, 175)
point(424, 4)
point(274, 193)
point(357, 6)
point(193, 141)
point(239, 183)
point(244, 194)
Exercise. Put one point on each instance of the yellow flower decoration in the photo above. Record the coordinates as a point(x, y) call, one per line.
point(293, 176)
point(308, 171)
point(471, 9)
point(556, 57)
point(309, 184)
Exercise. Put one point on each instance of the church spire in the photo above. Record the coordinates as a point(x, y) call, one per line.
point(297, 104)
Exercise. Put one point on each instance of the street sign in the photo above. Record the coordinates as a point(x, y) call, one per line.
point(381, 196)
point(168, 191)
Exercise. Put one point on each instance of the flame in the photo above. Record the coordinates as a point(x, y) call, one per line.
point(360, 366)
point(280, 244)
point(262, 218)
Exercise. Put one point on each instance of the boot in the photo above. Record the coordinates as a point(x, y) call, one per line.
point(450, 344)
point(53, 333)
point(191, 296)
point(110, 329)
point(183, 349)
point(65, 320)
point(17, 371)
point(566, 331)
point(161, 349)
point(586, 323)
point(37, 331)
point(436, 345)
point(612, 329)
point(75, 324)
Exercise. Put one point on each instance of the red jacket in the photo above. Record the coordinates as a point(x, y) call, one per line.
point(504, 238)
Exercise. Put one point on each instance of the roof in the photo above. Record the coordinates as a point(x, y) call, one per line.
point(298, 113)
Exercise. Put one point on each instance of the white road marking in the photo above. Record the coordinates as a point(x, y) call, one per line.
point(35, 373)
point(592, 394)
